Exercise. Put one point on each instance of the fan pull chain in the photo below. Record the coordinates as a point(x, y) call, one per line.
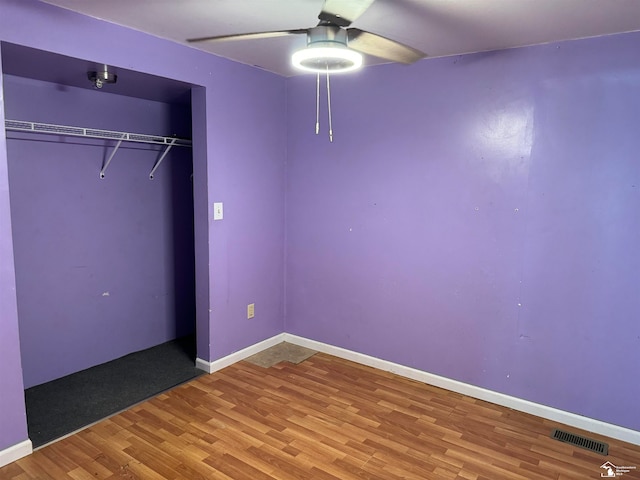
point(329, 106)
point(318, 103)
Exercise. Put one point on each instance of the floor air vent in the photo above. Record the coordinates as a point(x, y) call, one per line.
point(582, 442)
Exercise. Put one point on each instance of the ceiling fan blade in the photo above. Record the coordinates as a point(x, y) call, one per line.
point(343, 12)
point(248, 36)
point(382, 47)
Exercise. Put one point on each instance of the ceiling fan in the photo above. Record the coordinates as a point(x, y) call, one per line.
point(333, 46)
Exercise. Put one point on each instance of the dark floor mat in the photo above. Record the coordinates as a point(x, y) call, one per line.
point(57, 408)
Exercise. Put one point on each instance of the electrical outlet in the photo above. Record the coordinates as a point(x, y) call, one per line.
point(251, 310)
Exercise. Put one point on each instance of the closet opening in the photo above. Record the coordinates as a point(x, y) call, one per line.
point(104, 254)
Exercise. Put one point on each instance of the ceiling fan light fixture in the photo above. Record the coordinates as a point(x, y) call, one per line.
point(322, 57)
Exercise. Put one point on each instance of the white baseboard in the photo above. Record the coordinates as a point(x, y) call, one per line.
point(15, 452)
point(554, 414)
point(223, 362)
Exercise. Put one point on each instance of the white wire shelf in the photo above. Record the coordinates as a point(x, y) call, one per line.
point(66, 130)
point(34, 127)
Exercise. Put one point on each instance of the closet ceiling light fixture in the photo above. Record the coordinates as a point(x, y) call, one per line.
point(100, 78)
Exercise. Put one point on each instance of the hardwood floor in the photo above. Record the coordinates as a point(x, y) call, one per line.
point(325, 419)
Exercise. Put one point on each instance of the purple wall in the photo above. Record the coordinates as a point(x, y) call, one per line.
point(476, 218)
point(103, 267)
point(239, 162)
point(13, 419)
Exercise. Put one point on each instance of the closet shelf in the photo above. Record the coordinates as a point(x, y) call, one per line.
point(66, 130)
point(21, 126)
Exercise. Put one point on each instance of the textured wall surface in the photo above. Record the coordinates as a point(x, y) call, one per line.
point(476, 218)
point(13, 419)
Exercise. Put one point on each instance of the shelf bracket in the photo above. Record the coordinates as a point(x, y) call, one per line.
point(159, 161)
point(106, 164)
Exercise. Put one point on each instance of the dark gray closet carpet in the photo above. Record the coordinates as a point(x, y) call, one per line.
point(62, 406)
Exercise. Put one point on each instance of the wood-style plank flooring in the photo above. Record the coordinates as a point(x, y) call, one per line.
point(323, 419)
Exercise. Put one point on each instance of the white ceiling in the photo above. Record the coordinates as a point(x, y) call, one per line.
point(437, 27)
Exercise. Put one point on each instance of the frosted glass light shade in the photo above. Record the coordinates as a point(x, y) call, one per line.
point(332, 57)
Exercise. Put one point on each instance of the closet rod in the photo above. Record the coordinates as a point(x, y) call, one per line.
point(34, 127)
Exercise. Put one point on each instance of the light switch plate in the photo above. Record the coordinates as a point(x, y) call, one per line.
point(251, 310)
point(217, 211)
